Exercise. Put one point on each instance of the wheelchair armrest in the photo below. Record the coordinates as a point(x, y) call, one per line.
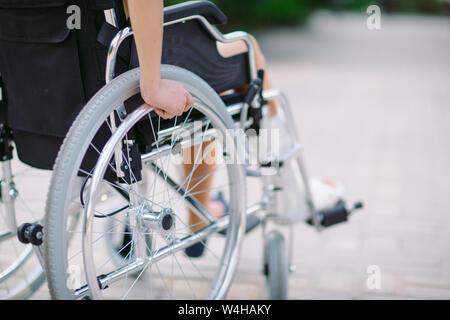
point(204, 8)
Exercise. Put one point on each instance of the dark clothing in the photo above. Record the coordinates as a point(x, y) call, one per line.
point(49, 71)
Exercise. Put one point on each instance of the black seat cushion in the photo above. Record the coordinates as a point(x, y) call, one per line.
point(205, 8)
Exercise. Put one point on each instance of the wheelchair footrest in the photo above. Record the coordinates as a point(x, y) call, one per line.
point(337, 214)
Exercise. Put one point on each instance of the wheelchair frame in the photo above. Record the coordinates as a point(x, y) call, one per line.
point(240, 110)
point(234, 109)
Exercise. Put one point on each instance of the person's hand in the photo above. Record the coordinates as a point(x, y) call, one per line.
point(168, 98)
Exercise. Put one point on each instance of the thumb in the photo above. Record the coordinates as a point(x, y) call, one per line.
point(189, 101)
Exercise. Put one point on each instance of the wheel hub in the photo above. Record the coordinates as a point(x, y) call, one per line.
point(162, 221)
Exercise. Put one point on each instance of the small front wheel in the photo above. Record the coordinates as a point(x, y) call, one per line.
point(276, 266)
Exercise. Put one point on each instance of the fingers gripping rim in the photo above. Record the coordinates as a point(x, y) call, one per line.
point(81, 133)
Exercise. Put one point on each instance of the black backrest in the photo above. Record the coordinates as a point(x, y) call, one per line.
point(189, 45)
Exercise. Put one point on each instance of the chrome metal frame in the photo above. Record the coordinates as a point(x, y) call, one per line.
point(216, 225)
point(271, 94)
point(8, 195)
point(275, 94)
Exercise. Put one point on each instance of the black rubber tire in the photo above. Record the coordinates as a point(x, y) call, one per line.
point(276, 269)
point(33, 234)
point(21, 233)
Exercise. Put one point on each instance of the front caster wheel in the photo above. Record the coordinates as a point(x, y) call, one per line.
point(276, 266)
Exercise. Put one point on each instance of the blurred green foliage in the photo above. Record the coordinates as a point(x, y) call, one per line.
point(407, 6)
point(257, 13)
point(252, 13)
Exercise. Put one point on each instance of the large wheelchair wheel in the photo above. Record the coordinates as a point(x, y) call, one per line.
point(20, 271)
point(135, 226)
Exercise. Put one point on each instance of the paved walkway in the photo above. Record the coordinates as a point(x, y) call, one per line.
point(373, 113)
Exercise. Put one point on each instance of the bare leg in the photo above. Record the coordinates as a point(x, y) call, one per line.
point(203, 169)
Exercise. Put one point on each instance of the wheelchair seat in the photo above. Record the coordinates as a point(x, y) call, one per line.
point(204, 8)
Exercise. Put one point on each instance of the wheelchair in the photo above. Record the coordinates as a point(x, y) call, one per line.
point(117, 218)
